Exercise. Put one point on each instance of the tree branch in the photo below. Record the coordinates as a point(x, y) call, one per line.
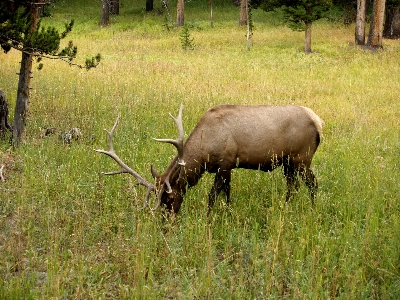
point(38, 53)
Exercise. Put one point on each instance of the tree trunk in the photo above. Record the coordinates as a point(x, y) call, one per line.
point(249, 26)
point(392, 24)
point(105, 13)
point(4, 125)
point(180, 13)
point(21, 105)
point(114, 7)
point(376, 27)
point(360, 22)
point(243, 12)
point(307, 39)
point(149, 5)
point(211, 13)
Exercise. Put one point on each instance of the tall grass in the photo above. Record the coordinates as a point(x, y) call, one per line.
point(68, 232)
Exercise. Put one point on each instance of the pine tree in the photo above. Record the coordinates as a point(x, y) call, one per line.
point(300, 14)
point(21, 29)
point(186, 39)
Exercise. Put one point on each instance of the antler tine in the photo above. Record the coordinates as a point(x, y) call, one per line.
point(146, 199)
point(124, 168)
point(111, 133)
point(1, 173)
point(178, 143)
point(159, 193)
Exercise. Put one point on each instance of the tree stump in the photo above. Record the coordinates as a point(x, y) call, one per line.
point(4, 125)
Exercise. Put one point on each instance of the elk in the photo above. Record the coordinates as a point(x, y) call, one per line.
point(234, 136)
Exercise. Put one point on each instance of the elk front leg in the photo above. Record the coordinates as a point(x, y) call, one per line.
point(222, 181)
point(290, 173)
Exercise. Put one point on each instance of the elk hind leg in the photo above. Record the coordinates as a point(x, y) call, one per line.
point(222, 181)
point(311, 182)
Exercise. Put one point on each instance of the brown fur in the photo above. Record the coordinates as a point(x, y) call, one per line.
point(250, 137)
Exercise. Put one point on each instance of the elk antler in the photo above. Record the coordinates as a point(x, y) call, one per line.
point(178, 143)
point(124, 167)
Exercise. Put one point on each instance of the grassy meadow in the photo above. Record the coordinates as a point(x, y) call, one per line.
point(67, 232)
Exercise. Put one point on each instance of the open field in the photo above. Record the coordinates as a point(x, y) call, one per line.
point(67, 232)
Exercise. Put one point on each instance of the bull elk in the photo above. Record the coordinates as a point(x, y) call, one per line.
point(234, 136)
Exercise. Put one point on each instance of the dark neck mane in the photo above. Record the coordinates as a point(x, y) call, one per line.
point(187, 175)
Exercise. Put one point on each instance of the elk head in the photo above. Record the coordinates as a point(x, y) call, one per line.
point(165, 194)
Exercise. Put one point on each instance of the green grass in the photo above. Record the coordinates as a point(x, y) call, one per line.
point(68, 232)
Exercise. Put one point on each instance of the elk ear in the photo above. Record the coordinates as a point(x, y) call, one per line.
point(154, 172)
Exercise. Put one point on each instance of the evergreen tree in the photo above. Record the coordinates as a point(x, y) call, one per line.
point(21, 29)
point(300, 14)
point(186, 39)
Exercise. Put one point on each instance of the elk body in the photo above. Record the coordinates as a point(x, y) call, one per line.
point(235, 136)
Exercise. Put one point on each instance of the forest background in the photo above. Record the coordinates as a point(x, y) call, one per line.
point(68, 232)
